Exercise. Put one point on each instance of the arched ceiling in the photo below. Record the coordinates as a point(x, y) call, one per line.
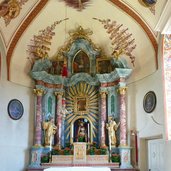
point(36, 15)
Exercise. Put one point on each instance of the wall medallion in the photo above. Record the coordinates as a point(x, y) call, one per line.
point(149, 102)
point(149, 4)
point(15, 109)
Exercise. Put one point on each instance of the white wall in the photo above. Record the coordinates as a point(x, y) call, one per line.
point(16, 136)
point(141, 121)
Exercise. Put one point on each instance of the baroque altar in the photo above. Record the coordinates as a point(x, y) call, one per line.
point(80, 111)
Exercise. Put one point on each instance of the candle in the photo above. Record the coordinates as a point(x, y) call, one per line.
point(88, 131)
point(136, 148)
point(72, 131)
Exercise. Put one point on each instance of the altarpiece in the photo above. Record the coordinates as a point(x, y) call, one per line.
point(76, 94)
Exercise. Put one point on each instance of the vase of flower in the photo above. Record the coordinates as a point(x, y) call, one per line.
point(92, 150)
point(67, 151)
point(103, 150)
point(115, 158)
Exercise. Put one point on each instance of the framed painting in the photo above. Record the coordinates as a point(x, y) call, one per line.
point(81, 62)
point(15, 109)
point(149, 102)
point(81, 105)
point(103, 66)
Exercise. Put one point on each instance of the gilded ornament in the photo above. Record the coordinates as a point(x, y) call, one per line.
point(122, 41)
point(39, 92)
point(122, 90)
point(10, 9)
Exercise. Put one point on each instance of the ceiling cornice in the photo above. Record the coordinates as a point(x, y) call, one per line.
point(20, 31)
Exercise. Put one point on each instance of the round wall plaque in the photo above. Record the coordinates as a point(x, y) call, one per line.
point(149, 102)
point(15, 109)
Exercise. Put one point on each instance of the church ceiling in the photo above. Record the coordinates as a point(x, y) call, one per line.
point(20, 20)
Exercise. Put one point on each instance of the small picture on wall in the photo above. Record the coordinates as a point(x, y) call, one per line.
point(149, 102)
point(15, 109)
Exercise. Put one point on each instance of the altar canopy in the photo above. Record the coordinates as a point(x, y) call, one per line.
point(78, 94)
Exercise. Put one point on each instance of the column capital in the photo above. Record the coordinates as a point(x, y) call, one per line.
point(38, 91)
point(102, 92)
point(122, 90)
point(58, 93)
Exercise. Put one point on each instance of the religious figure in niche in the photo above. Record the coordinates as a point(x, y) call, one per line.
point(81, 131)
point(50, 129)
point(112, 127)
point(81, 63)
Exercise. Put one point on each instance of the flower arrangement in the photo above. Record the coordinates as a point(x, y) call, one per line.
point(103, 150)
point(67, 151)
point(92, 150)
point(45, 159)
point(115, 158)
point(55, 152)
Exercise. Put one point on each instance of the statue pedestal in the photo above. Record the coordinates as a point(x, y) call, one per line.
point(79, 152)
point(125, 153)
point(36, 156)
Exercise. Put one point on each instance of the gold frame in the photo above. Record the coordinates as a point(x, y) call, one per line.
point(82, 108)
point(99, 69)
point(75, 55)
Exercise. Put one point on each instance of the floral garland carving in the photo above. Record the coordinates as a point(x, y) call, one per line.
point(39, 46)
point(121, 40)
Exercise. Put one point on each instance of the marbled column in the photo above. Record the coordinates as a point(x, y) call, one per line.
point(58, 117)
point(103, 118)
point(38, 124)
point(123, 117)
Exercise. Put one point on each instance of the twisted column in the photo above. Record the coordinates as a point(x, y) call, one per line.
point(58, 117)
point(38, 129)
point(123, 116)
point(103, 118)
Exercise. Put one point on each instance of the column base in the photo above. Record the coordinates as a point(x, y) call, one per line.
point(36, 152)
point(125, 153)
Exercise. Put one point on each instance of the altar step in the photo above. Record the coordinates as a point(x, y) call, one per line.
point(112, 169)
point(111, 165)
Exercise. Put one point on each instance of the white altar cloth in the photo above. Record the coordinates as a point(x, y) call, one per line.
point(78, 169)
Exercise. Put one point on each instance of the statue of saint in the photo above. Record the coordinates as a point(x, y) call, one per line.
point(81, 134)
point(50, 129)
point(64, 111)
point(112, 127)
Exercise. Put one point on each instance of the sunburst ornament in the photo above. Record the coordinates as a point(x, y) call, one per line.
point(78, 4)
point(82, 102)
